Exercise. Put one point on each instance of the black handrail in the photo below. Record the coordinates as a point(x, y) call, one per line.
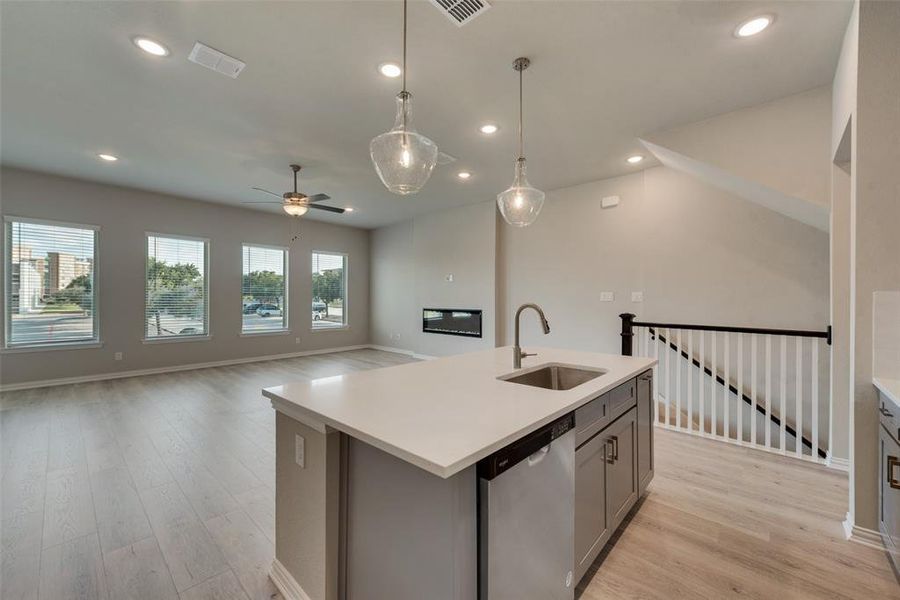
point(628, 323)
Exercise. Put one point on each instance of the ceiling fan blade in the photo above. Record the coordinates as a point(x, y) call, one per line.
point(328, 208)
point(259, 189)
point(260, 202)
point(318, 197)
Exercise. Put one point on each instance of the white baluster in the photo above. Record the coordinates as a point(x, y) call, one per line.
point(798, 425)
point(768, 421)
point(690, 380)
point(814, 398)
point(655, 339)
point(668, 355)
point(753, 439)
point(740, 388)
point(726, 395)
point(714, 429)
point(700, 381)
point(783, 375)
point(678, 379)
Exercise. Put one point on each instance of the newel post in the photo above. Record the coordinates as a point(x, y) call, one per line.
point(627, 333)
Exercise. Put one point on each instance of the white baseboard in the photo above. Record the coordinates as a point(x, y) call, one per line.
point(285, 582)
point(402, 351)
point(172, 369)
point(838, 464)
point(861, 535)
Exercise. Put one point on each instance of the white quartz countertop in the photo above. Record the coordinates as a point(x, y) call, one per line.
point(444, 415)
point(889, 387)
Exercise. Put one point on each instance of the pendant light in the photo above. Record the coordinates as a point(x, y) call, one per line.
point(402, 157)
point(521, 204)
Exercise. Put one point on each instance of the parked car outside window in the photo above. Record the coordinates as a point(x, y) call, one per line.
point(251, 307)
point(269, 310)
point(319, 310)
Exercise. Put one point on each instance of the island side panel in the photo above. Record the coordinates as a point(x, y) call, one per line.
point(410, 534)
point(307, 507)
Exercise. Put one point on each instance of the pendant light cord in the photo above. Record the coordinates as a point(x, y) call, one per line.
point(521, 127)
point(403, 91)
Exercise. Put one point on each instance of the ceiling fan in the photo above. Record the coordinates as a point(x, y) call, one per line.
point(296, 203)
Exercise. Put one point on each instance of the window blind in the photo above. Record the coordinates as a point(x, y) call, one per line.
point(329, 288)
point(176, 300)
point(50, 271)
point(264, 289)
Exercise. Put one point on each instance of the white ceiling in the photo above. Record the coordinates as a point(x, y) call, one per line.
point(602, 74)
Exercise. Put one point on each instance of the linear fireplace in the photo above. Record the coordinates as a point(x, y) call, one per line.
point(452, 321)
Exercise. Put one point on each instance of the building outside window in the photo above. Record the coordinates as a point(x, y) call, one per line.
point(329, 290)
point(51, 285)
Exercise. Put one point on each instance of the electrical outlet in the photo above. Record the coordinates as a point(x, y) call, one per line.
point(607, 296)
point(637, 296)
point(296, 340)
point(300, 451)
point(118, 356)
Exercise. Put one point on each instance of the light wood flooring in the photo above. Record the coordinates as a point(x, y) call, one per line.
point(162, 487)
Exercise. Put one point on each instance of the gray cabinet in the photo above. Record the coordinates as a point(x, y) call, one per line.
point(621, 467)
point(889, 480)
point(591, 524)
point(613, 464)
point(645, 429)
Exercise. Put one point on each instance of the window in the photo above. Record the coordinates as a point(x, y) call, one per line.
point(329, 290)
point(264, 289)
point(176, 302)
point(50, 283)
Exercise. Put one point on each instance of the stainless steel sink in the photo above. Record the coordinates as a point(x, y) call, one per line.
point(554, 376)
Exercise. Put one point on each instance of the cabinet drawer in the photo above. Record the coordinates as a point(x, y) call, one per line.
point(889, 417)
point(621, 399)
point(591, 418)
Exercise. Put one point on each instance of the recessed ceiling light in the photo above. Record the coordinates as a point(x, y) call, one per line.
point(489, 128)
point(151, 47)
point(390, 69)
point(463, 174)
point(635, 159)
point(108, 157)
point(349, 209)
point(753, 26)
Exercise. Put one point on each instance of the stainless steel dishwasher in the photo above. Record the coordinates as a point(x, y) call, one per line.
point(526, 517)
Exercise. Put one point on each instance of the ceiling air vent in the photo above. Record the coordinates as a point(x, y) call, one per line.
point(461, 11)
point(216, 61)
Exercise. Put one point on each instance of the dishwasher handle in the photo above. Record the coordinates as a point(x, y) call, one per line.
point(539, 455)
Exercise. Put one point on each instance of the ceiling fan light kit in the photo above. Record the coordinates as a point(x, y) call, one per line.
point(520, 204)
point(403, 158)
point(297, 203)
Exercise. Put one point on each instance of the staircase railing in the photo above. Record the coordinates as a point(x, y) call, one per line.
point(699, 383)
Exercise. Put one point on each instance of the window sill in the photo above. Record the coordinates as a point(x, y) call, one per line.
point(51, 347)
point(265, 333)
point(322, 329)
point(177, 338)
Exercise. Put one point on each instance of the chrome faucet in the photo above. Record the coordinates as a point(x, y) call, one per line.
point(518, 355)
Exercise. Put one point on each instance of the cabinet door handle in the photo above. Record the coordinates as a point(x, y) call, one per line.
point(892, 462)
point(608, 453)
point(615, 444)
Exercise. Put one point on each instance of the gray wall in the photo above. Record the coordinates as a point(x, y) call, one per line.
point(124, 215)
point(698, 254)
point(411, 262)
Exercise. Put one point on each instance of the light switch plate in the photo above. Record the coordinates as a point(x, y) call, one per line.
point(609, 202)
point(637, 296)
point(449, 277)
point(607, 296)
point(300, 451)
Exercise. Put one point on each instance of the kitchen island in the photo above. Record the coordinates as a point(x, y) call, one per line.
point(377, 472)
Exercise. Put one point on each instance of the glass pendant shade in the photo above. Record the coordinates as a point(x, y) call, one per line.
point(521, 204)
point(403, 158)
